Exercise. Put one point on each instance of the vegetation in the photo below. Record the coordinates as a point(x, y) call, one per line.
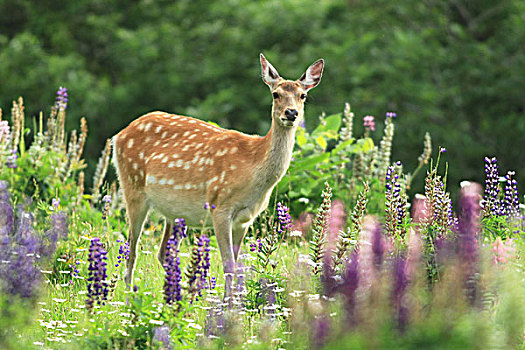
point(455, 68)
point(369, 271)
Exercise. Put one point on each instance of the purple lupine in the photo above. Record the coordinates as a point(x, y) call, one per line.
point(207, 206)
point(162, 335)
point(59, 230)
point(205, 261)
point(401, 280)
point(6, 211)
point(511, 200)
point(378, 246)
point(285, 220)
point(490, 203)
point(321, 326)
point(11, 160)
point(123, 252)
point(97, 289)
point(391, 114)
point(468, 246)
point(349, 288)
point(107, 202)
point(62, 99)
point(369, 123)
point(172, 281)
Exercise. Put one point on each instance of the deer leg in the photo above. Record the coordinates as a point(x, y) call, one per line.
point(168, 230)
point(137, 211)
point(238, 234)
point(223, 232)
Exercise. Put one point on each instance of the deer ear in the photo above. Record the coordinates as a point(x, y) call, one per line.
point(269, 73)
point(312, 76)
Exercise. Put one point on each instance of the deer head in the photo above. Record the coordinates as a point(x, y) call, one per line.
point(289, 95)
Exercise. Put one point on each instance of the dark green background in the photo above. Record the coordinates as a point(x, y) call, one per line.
point(454, 68)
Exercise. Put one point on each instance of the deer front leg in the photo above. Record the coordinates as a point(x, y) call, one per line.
point(168, 230)
point(223, 232)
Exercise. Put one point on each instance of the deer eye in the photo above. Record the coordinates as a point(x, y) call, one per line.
point(275, 95)
point(303, 96)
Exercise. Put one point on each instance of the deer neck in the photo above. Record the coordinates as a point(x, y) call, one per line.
point(277, 154)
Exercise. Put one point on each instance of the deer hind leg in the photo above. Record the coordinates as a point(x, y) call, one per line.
point(238, 233)
point(137, 210)
point(168, 230)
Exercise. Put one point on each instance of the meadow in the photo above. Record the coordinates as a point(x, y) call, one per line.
point(343, 258)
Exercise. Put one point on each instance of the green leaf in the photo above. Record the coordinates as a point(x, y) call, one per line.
point(301, 137)
point(320, 140)
point(330, 126)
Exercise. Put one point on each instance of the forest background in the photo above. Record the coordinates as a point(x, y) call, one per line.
point(455, 68)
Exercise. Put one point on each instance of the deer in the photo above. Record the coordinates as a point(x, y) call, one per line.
point(176, 164)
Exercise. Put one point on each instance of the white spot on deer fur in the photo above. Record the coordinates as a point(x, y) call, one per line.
point(213, 179)
point(171, 164)
point(233, 150)
point(192, 121)
point(162, 181)
point(156, 143)
point(215, 188)
point(185, 148)
point(175, 155)
point(174, 136)
point(141, 155)
point(141, 173)
point(165, 145)
point(179, 163)
point(187, 186)
point(170, 182)
point(164, 134)
point(198, 145)
point(150, 180)
point(195, 159)
point(148, 139)
point(141, 127)
point(194, 186)
point(186, 133)
point(136, 178)
point(165, 159)
point(158, 129)
point(130, 143)
point(192, 136)
point(233, 167)
point(177, 187)
point(135, 166)
point(223, 174)
point(147, 127)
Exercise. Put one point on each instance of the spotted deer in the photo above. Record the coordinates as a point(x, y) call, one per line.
point(175, 164)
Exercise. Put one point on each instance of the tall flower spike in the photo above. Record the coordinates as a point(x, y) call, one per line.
point(284, 218)
point(385, 149)
point(319, 230)
point(97, 289)
point(172, 281)
point(490, 203)
point(511, 200)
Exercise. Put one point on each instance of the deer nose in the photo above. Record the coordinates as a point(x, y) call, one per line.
point(291, 114)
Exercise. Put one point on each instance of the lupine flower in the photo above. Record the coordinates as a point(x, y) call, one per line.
point(5, 131)
point(442, 150)
point(208, 206)
point(468, 246)
point(284, 218)
point(319, 230)
point(349, 288)
point(162, 335)
point(55, 203)
point(321, 331)
point(401, 281)
point(172, 281)
point(97, 290)
point(369, 123)
point(6, 211)
point(59, 230)
point(391, 114)
point(511, 200)
point(107, 202)
point(11, 160)
point(491, 203)
point(123, 252)
point(62, 99)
